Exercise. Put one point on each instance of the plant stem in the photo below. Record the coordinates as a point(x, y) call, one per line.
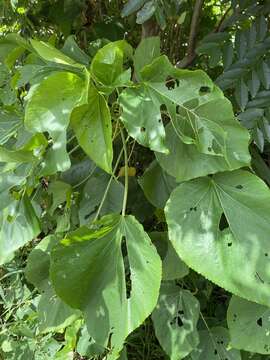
point(126, 173)
point(110, 181)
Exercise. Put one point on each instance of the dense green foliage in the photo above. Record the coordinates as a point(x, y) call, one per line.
point(134, 180)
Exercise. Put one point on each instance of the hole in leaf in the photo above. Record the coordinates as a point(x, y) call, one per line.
point(215, 352)
point(128, 282)
point(239, 187)
point(181, 312)
point(223, 223)
point(143, 129)
point(229, 244)
point(259, 322)
point(204, 90)
point(266, 254)
point(179, 321)
point(209, 149)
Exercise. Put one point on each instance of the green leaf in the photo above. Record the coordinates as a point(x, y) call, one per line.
point(107, 66)
point(38, 263)
point(132, 6)
point(9, 124)
point(173, 267)
point(87, 271)
point(254, 83)
point(147, 51)
point(86, 345)
point(264, 74)
point(234, 257)
point(142, 119)
point(61, 193)
point(50, 53)
point(157, 185)
point(227, 55)
point(249, 326)
point(190, 99)
point(11, 175)
point(175, 320)
point(19, 225)
point(92, 126)
point(241, 94)
point(53, 314)
point(92, 195)
point(146, 12)
point(49, 109)
point(72, 50)
point(214, 344)
point(12, 156)
point(195, 164)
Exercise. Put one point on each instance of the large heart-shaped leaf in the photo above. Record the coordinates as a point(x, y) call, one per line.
point(236, 257)
point(49, 109)
point(175, 320)
point(198, 110)
point(249, 325)
point(88, 272)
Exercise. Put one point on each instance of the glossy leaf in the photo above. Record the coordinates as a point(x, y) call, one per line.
point(50, 53)
point(234, 257)
point(92, 126)
point(88, 273)
point(249, 326)
point(175, 321)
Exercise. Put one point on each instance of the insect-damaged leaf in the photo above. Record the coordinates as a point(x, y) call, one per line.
point(175, 320)
point(220, 227)
point(249, 325)
point(190, 100)
point(88, 272)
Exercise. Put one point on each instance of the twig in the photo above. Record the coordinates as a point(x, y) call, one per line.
point(192, 36)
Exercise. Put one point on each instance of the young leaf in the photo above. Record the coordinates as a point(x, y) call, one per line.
point(107, 65)
point(49, 109)
point(87, 271)
point(175, 321)
point(232, 255)
point(92, 126)
point(19, 225)
point(249, 326)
